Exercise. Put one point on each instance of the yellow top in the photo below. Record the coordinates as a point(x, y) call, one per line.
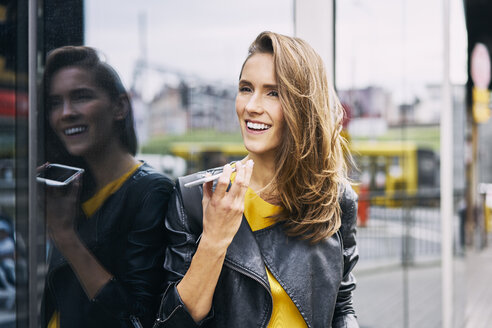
point(55, 320)
point(90, 207)
point(285, 313)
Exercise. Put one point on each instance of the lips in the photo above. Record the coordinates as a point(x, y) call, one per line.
point(257, 126)
point(74, 130)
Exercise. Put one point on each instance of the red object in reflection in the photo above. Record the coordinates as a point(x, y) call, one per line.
point(8, 103)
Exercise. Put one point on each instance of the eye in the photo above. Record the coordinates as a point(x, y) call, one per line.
point(54, 102)
point(273, 93)
point(82, 95)
point(244, 89)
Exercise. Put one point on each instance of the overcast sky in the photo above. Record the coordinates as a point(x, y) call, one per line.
point(394, 44)
point(398, 44)
point(206, 38)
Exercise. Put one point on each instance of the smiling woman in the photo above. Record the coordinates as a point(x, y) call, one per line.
point(272, 243)
point(105, 266)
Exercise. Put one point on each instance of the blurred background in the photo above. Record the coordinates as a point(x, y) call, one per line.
point(402, 69)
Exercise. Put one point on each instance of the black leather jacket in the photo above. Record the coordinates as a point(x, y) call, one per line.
point(127, 237)
point(317, 277)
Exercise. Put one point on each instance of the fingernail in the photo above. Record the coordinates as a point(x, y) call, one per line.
point(227, 166)
point(250, 163)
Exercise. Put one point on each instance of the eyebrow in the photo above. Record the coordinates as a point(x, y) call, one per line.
point(81, 89)
point(265, 86)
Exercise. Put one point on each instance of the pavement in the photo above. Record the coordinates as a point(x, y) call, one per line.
point(410, 296)
point(478, 312)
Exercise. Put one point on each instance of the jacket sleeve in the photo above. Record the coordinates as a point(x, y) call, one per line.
point(183, 240)
point(344, 316)
point(133, 295)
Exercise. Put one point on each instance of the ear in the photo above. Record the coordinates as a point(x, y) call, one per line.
point(121, 107)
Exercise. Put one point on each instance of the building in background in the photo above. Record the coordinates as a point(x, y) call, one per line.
point(372, 101)
point(192, 104)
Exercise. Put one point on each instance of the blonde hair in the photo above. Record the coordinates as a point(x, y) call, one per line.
point(312, 168)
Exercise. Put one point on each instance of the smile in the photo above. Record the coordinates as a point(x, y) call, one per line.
point(74, 130)
point(257, 126)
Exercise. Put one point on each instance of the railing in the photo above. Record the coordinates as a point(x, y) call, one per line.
point(405, 235)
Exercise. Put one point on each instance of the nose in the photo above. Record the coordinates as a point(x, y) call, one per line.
point(254, 104)
point(68, 110)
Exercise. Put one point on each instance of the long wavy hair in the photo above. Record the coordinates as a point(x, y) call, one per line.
point(312, 158)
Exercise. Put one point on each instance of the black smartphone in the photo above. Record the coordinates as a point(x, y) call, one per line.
point(58, 175)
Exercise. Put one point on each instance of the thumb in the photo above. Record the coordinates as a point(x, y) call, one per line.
point(42, 167)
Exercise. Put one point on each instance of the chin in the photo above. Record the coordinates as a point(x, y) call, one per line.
point(252, 148)
point(258, 150)
point(77, 151)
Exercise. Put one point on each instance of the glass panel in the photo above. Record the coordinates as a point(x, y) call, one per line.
point(7, 169)
point(389, 76)
point(13, 159)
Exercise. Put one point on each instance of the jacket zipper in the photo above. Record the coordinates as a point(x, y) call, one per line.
point(232, 266)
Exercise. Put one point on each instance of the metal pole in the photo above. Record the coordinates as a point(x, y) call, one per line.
point(32, 156)
point(446, 177)
point(313, 22)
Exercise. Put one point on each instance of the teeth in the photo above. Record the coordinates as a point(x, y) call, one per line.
point(257, 126)
point(75, 130)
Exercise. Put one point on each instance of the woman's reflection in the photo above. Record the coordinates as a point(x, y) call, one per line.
point(106, 227)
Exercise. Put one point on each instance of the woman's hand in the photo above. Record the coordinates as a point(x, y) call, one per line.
point(61, 210)
point(222, 216)
point(62, 204)
point(223, 209)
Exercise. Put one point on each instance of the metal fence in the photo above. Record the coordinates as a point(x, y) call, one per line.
point(405, 235)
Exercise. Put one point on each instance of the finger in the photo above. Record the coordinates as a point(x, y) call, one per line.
point(223, 182)
point(76, 185)
point(239, 180)
point(249, 171)
point(42, 167)
point(207, 192)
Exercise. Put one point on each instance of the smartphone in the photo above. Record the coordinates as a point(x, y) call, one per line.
point(204, 179)
point(58, 175)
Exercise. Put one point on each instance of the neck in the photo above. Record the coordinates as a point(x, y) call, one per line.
point(263, 172)
point(109, 164)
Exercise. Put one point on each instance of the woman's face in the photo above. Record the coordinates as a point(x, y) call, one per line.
point(258, 106)
point(81, 113)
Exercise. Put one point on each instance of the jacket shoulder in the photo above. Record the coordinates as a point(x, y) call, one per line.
point(146, 179)
point(348, 206)
point(348, 203)
point(146, 173)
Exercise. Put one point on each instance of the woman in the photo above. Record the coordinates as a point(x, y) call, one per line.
point(106, 264)
point(272, 246)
